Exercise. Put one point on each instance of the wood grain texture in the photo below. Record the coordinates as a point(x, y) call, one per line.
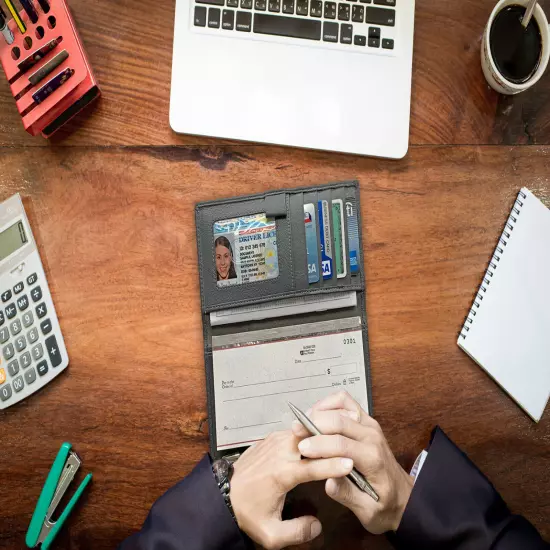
point(116, 233)
point(130, 50)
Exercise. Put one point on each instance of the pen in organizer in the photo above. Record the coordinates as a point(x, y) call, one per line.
point(38, 55)
point(29, 8)
point(15, 14)
point(45, 5)
point(354, 476)
point(4, 29)
point(46, 69)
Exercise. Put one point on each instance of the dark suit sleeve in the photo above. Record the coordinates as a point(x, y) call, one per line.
point(453, 506)
point(192, 515)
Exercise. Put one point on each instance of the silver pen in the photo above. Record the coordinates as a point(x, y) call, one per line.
point(4, 29)
point(354, 476)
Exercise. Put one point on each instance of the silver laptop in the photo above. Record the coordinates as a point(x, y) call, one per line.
point(306, 73)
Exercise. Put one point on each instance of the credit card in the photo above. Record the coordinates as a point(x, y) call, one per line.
point(245, 250)
point(310, 222)
point(339, 240)
point(353, 235)
point(325, 238)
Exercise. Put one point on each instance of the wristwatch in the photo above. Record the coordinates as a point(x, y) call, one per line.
point(223, 470)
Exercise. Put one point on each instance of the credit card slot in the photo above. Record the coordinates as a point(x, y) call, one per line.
point(299, 245)
point(340, 233)
point(325, 226)
point(310, 201)
point(277, 261)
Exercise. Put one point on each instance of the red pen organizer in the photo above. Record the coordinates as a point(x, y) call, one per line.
point(71, 97)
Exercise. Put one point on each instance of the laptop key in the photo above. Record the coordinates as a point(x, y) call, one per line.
point(374, 32)
point(232, 3)
point(244, 21)
point(390, 3)
point(302, 7)
point(374, 42)
point(214, 18)
point(381, 16)
point(246, 4)
point(228, 20)
point(346, 33)
point(330, 10)
point(343, 12)
point(274, 6)
point(358, 14)
point(316, 8)
point(200, 16)
point(287, 26)
point(288, 6)
point(387, 44)
point(212, 2)
point(330, 31)
point(359, 40)
point(260, 5)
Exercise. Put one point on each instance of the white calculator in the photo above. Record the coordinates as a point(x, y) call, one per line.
point(31, 345)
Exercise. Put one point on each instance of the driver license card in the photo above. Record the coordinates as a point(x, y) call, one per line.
point(245, 250)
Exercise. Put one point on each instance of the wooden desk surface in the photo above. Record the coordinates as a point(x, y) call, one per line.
point(111, 204)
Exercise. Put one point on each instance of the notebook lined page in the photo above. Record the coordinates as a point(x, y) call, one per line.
point(508, 329)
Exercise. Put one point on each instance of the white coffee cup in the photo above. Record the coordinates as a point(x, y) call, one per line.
point(494, 77)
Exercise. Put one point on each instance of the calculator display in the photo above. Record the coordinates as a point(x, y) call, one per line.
point(12, 239)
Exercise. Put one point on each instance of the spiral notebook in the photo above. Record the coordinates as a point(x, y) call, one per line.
point(507, 331)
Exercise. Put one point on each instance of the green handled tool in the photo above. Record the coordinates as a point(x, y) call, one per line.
point(41, 529)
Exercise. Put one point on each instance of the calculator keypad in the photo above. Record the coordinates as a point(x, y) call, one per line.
point(30, 376)
point(36, 294)
point(41, 310)
point(26, 356)
point(23, 303)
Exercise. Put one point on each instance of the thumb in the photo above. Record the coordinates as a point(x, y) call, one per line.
point(296, 531)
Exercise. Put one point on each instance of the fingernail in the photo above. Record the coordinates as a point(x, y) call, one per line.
point(347, 463)
point(316, 529)
point(331, 487)
point(304, 445)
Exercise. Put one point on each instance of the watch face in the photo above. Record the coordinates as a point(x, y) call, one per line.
point(221, 469)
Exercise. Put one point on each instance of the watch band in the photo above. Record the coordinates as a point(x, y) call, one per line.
point(222, 470)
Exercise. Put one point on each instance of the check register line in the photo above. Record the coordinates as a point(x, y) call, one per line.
point(322, 359)
point(253, 425)
point(277, 393)
point(280, 380)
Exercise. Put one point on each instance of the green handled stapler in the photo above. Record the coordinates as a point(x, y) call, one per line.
point(41, 529)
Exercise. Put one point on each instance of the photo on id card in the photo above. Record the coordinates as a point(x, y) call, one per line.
point(245, 250)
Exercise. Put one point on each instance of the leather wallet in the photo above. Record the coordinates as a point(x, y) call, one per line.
point(284, 209)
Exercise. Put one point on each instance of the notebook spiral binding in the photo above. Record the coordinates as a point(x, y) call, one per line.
point(493, 263)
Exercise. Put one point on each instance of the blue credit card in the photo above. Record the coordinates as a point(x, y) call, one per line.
point(353, 235)
point(310, 222)
point(325, 237)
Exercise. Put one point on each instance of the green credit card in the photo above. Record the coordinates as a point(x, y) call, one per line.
point(339, 242)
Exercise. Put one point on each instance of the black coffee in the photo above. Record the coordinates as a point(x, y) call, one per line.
point(515, 50)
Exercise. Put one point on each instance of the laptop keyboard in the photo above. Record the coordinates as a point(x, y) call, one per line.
point(359, 23)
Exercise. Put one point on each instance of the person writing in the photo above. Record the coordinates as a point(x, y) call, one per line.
point(450, 505)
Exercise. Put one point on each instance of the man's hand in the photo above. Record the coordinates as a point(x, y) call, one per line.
point(352, 433)
point(263, 476)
